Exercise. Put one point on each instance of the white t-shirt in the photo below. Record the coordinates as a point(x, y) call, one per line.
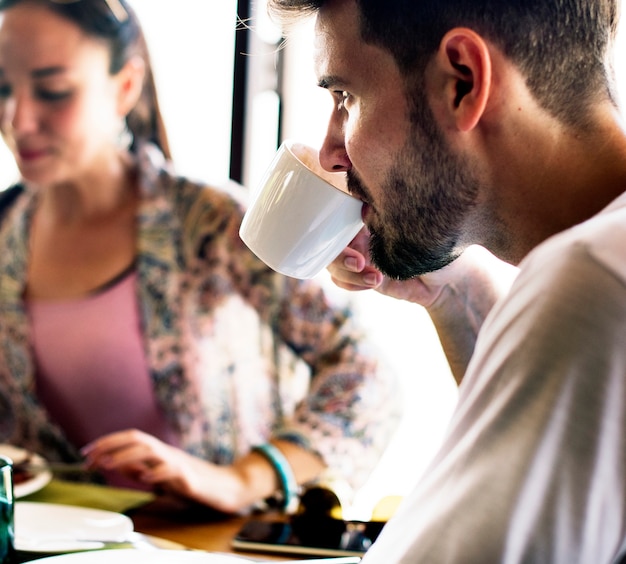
point(533, 466)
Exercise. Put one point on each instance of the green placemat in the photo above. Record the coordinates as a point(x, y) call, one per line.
point(119, 500)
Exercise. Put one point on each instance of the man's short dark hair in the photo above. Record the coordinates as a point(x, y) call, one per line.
point(560, 46)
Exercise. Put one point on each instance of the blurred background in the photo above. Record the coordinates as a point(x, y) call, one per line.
point(231, 91)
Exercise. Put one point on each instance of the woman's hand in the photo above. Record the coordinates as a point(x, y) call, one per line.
point(228, 488)
point(152, 462)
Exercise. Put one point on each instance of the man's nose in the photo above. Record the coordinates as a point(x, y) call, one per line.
point(333, 154)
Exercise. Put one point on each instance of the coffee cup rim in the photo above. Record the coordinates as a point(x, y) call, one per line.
point(290, 144)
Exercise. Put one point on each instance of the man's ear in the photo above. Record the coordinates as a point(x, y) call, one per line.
point(130, 84)
point(464, 68)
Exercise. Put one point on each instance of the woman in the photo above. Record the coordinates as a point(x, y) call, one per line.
point(137, 330)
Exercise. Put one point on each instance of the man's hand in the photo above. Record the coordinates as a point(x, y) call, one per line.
point(457, 297)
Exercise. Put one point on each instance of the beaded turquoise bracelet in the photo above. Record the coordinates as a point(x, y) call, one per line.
point(288, 484)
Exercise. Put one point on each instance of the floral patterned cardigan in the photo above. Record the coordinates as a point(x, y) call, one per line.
point(237, 353)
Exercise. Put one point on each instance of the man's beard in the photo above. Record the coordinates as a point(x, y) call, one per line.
point(426, 197)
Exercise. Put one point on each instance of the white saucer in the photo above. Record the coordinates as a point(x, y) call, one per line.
point(37, 481)
point(55, 528)
point(131, 556)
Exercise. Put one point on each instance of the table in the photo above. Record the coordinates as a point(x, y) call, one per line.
point(168, 522)
point(191, 525)
point(194, 527)
point(199, 527)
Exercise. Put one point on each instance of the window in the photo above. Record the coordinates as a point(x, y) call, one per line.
point(191, 43)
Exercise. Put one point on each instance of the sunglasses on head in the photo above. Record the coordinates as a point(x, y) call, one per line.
point(116, 7)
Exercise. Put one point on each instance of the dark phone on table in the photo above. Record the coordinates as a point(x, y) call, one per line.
point(319, 537)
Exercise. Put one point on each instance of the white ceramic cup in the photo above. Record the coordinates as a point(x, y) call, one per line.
point(301, 216)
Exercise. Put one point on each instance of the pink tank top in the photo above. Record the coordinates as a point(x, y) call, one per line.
point(91, 371)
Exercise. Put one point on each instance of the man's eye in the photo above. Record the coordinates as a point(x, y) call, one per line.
point(342, 97)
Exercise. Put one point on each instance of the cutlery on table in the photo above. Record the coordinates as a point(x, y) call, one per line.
point(330, 560)
point(54, 467)
point(134, 540)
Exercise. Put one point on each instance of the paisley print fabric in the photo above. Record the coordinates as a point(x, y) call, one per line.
point(237, 353)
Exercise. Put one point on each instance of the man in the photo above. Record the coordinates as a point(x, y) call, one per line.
point(494, 122)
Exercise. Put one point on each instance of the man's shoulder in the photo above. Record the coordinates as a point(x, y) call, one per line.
point(605, 234)
point(599, 239)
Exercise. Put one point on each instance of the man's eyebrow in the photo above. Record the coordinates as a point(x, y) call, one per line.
point(329, 82)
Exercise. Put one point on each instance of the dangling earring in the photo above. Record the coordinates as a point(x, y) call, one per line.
point(124, 137)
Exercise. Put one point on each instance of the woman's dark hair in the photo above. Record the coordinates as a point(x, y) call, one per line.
point(125, 39)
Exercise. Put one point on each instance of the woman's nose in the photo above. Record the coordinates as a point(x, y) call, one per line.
point(19, 115)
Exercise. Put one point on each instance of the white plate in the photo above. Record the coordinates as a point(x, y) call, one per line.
point(55, 528)
point(131, 556)
point(38, 481)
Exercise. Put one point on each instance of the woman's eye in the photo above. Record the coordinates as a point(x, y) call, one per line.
point(53, 95)
point(5, 90)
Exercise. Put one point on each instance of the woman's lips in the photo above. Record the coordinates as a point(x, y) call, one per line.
point(31, 154)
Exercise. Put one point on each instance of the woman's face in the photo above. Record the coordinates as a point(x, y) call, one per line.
point(59, 105)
